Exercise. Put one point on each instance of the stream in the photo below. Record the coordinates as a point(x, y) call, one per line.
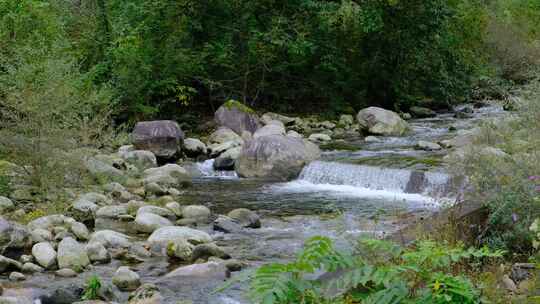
point(372, 190)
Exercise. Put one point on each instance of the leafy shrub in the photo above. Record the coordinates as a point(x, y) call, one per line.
point(375, 272)
point(91, 291)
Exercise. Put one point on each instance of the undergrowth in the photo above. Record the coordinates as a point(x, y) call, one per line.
point(375, 271)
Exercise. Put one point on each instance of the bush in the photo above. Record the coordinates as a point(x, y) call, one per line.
point(507, 185)
point(48, 111)
point(375, 272)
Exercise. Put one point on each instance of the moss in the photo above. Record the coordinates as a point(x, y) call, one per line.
point(337, 145)
point(238, 105)
point(400, 162)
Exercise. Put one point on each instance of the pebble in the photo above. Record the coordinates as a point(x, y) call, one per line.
point(16, 276)
point(66, 273)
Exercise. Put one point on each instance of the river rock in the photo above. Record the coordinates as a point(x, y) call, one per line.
point(86, 205)
point(218, 149)
point(226, 224)
point(145, 292)
point(180, 249)
point(6, 205)
point(167, 175)
point(327, 125)
point(422, 112)
point(66, 273)
point(428, 146)
point(381, 122)
point(205, 251)
point(346, 120)
point(44, 254)
point(161, 237)
point(149, 222)
point(110, 239)
point(245, 217)
point(72, 255)
point(275, 157)
point(80, 231)
point(270, 116)
point(194, 147)
point(226, 160)
point(16, 276)
point(49, 221)
point(237, 117)
point(198, 213)
point(13, 237)
point(31, 268)
point(102, 170)
point(294, 134)
point(7, 264)
point(204, 270)
point(164, 138)
point(175, 208)
point(41, 235)
point(112, 211)
point(164, 212)
point(140, 158)
point(273, 127)
point(126, 279)
point(97, 253)
point(65, 294)
point(223, 135)
point(319, 138)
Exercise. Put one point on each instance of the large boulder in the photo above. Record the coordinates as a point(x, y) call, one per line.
point(162, 137)
point(381, 122)
point(238, 117)
point(72, 254)
point(269, 116)
point(274, 127)
point(275, 157)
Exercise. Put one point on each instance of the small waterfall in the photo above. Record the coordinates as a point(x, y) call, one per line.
point(206, 169)
point(375, 178)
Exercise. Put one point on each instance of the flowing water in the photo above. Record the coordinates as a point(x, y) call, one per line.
point(373, 190)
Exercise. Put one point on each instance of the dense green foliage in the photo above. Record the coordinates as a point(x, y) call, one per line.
point(376, 272)
point(162, 57)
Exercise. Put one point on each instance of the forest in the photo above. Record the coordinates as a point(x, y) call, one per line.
point(216, 127)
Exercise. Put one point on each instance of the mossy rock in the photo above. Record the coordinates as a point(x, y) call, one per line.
point(230, 104)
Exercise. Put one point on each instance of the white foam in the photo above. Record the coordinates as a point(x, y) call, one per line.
point(207, 170)
point(303, 186)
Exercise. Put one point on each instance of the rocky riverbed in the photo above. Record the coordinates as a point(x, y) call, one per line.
point(174, 217)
